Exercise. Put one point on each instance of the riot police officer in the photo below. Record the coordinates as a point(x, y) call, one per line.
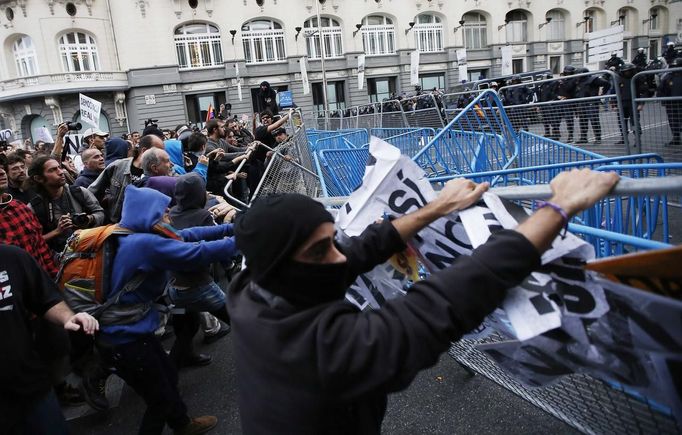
point(671, 86)
point(589, 87)
point(546, 92)
point(566, 91)
point(640, 60)
point(614, 62)
point(518, 96)
point(670, 53)
point(625, 74)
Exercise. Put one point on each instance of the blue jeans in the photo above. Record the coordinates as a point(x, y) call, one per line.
point(208, 297)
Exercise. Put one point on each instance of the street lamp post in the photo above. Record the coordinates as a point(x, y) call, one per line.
point(324, 71)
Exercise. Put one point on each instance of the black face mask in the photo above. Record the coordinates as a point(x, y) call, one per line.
point(309, 284)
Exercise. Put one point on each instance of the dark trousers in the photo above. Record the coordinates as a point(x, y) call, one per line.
point(144, 365)
point(185, 327)
point(42, 415)
point(674, 111)
point(590, 115)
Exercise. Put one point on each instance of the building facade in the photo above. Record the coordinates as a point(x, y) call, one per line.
point(170, 59)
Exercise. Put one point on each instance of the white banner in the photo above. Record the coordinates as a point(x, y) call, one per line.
point(239, 81)
point(414, 68)
point(90, 110)
point(304, 75)
point(361, 71)
point(605, 32)
point(507, 68)
point(6, 135)
point(43, 134)
point(73, 144)
point(462, 64)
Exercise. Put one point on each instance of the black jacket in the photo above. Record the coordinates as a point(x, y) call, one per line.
point(328, 369)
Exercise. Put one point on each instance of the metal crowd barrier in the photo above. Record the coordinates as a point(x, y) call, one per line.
point(658, 124)
point(344, 140)
point(479, 138)
point(340, 170)
point(409, 140)
point(588, 404)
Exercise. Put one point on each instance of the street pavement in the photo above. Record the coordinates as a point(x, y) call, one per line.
point(444, 399)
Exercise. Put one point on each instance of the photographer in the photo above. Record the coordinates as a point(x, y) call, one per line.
point(60, 209)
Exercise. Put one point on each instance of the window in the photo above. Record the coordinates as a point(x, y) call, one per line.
point(335, 96)
point(331, 35)
point(517, 66)
point(25, 57)
point(78, 51)
point(378, 35)
point(595, 21)
point(517, 26)
point(198, 104)
point(653, 48)
point(428, 33)
point(198, 46)
point(430, 81)
point(476, 74)
point(629, 18)
point(263, 41)
point(653, 19)
point(556, 28)
point(380, 88)
point(475, 30)
point(555, 64)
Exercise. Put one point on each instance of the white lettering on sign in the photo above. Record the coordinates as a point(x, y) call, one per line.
point(4, 276)
point(5, 292)
point(90, 110)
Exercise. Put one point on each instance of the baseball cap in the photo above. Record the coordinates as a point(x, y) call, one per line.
point(94, 132)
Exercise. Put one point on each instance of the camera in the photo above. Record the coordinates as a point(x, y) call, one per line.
point(73, 125)
point(80, 220)
point(152, 122)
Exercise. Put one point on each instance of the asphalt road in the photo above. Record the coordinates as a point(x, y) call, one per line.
point(442, 400)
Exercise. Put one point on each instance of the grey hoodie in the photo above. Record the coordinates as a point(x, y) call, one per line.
point(189, 211)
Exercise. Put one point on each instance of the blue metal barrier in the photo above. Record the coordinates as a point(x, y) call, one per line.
point(341, 170)
point(480, 138)
point(343, 139)
point(409, 140)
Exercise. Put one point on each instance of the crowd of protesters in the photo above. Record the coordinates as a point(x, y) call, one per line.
point(304, 357)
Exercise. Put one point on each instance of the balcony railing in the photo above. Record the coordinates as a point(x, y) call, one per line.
point(62, 81)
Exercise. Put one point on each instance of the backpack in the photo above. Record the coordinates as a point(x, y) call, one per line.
point(85, 274)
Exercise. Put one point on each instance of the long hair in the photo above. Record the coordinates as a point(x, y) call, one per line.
point(36, 169)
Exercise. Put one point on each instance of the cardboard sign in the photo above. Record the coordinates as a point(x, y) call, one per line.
point(90, 110)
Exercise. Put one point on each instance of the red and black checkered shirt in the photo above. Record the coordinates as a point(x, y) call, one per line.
point(20, 227)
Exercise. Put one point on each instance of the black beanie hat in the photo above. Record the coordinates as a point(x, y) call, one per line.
point(274, 227)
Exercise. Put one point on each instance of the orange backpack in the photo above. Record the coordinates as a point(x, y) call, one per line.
point(85, 268)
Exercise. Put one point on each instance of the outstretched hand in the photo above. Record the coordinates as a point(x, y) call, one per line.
point(89, 324)
point(579, 189)
point(459, 194)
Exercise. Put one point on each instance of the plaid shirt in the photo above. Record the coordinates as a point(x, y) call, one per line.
point(20, 227)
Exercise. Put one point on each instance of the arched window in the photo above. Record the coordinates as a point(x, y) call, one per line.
point(628, 18)
point(25, 56)
point(428, 33)
point(517, 26)
point(475, 30)
point(658, 18)
point(596, 19)
point(378, 35)
point(78, 51)
point(198, 46)
point(263, 41)
point(331, 35)
point(556, 29)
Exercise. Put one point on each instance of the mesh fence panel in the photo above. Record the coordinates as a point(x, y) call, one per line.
point(658, 101)
point(588, 404)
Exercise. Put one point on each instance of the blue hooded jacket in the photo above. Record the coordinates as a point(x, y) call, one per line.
point(156, 255)
point(174, 150)
point(116, 148)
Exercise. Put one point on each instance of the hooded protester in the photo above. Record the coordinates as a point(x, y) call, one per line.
point(115, 149)
point(195, 291)
point(174, 150)
point(127, 341)
point(267, 99)
point(164, 184)
point(307, 361)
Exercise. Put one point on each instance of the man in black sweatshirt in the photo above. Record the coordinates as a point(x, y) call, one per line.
point(307, 361)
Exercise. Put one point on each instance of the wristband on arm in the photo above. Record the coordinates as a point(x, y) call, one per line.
point(557, 208)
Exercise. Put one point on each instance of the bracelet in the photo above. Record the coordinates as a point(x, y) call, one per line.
point(557, 208)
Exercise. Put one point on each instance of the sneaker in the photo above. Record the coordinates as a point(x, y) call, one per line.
point(198, 425)
point(93, 387)
point(223, 331)
point(68, 395)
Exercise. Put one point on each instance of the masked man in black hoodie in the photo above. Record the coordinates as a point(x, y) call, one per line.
point(267, 99)
point(307, 361)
